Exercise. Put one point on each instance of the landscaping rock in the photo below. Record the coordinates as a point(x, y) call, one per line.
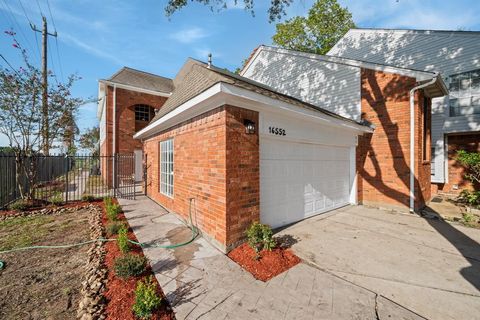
point(92, 305)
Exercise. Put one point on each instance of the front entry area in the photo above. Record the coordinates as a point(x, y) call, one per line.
point(299, 180)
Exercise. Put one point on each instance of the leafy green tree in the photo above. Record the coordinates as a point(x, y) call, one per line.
point(20, 115)
point(90, 140)
point(275, 12)
point(325, 24)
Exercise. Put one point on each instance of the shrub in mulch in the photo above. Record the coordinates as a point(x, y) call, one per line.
point(120, 293)
point(269, 263)
point(263, 256)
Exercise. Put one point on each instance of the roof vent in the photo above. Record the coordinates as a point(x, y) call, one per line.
point(209, 60)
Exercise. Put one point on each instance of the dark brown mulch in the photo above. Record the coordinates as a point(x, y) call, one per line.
point(270, 263)
point(120, 293)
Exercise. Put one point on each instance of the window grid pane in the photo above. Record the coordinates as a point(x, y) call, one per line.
point(166, 167)
point(464, 93)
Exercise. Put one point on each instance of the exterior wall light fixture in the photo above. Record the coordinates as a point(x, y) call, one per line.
point(249, 126)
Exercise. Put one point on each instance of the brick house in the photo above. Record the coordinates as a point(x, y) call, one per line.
point(232, 149)
point(128, 101)
point(456, 116)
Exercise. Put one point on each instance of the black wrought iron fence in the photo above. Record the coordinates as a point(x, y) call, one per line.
point(60, 178)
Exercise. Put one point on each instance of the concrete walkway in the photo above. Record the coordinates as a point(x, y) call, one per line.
point(202, 283)
point(429, 266)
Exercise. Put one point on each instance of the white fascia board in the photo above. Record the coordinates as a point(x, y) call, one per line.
point(136, 89)
point(200, 101)
point(255, 101)
point(227, 94)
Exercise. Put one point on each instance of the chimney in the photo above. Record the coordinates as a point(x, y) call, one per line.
point(209, 60)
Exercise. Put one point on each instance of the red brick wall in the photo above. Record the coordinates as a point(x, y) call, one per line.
point(243, 174)
point(383, 158)
point(222, 177)
point(456, 172)
point(126, 99)
point(125, 115)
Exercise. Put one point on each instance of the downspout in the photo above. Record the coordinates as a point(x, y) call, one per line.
point(114, 140)
point(412, 139)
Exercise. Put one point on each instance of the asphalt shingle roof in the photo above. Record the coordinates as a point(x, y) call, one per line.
point(141, 79)
point(196, 77)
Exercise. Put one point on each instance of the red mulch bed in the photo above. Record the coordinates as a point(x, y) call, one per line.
point(120, 293)
point(270, 264)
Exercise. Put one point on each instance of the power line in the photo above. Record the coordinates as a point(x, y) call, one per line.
point(15, 22)
point(39, 8)
point(56, 40)
point(8, 63)
point(53, 64)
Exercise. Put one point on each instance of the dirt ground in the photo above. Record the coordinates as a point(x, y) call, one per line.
point(45, 283)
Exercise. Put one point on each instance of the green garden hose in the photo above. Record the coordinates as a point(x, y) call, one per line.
point(143, 245)
point(192, 227)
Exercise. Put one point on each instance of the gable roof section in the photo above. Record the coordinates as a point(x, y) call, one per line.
point(198, 77)
point(411, 72)
point(447, 52)
point(142, 80)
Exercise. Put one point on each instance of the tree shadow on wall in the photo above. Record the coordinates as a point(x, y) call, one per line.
point(466, 246)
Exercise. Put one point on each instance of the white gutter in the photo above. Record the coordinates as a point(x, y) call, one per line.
point(412, 139)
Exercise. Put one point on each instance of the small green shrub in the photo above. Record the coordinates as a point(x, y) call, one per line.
point(57, 198)
point(19, 205)
point(146, 298)
point(113, 227)
point(122, 240)
point(470, 197)
point(260, 237)
point(468, 217)
point(113, 211)
point(107, 201)
point(88, 198)
point(471, 161)
point(130, 265)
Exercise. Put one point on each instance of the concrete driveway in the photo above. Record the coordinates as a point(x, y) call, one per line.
point(427, 266)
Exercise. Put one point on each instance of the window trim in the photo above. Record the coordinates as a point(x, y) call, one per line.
point(150, 111)
point(459, 94)
point(426, 154)
point(166, 168)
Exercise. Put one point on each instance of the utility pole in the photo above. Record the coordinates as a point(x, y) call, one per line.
point(45, 126)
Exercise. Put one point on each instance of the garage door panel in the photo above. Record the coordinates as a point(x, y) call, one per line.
point(299, 180)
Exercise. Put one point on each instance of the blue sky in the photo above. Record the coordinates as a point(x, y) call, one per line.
point(96, 38)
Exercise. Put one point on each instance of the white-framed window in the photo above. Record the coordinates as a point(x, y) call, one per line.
point(166, 167)
point(465, 93)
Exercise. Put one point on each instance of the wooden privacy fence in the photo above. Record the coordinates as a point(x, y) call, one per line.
point(61, 178)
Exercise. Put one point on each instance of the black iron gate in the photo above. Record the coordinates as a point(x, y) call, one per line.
point(125, 186)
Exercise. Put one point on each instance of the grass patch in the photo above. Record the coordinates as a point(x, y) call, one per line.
point(23, 231)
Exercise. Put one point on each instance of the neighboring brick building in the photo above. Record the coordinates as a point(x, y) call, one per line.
point(229, 150)
point(127, 102)
point(383, 157)
point(456, 116)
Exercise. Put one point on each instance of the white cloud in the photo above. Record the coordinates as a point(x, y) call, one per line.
point(90, 49)
point(189, 35)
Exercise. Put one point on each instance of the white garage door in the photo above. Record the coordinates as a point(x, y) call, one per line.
point(299, 180)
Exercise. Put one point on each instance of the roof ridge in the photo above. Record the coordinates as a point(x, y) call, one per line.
point(331, 58)
point(416, 30)
point(141, 71)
